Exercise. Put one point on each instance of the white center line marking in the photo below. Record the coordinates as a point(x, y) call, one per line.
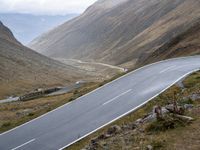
point(23, 144)
point(117, 97)
point(167, 69)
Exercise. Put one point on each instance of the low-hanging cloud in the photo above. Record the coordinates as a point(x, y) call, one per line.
point(48, 7)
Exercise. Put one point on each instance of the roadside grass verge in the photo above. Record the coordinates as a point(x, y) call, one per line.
point(16, 113)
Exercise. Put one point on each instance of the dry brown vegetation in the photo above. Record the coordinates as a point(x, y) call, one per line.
point(16, 113)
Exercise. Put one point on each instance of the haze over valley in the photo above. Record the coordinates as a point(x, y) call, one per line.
point(123, 73)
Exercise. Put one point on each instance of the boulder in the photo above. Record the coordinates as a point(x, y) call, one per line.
point(103, 136)
point(185, 118)
point(139, 121)
point(195, 97)
point(171, 109)
point(149, 147)
point(188, 106)
point(153, 116)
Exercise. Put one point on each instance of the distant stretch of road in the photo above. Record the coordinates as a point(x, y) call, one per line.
point(74, 121)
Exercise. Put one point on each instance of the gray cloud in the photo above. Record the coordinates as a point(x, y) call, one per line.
point(49, 7)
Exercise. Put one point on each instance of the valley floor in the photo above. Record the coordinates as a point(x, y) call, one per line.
point(19, 112)
point(16, 113)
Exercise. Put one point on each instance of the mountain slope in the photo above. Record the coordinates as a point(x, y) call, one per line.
point(23, 69)
point(122, 32)
point(26, 27)
point(187, 43)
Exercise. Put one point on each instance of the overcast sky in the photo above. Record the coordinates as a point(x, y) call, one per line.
point(47, 7)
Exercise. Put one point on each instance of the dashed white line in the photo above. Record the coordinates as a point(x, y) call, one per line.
point(117, 97)
point(167, 69)
point(128, 74)
point(23, 144)
point(130, 110)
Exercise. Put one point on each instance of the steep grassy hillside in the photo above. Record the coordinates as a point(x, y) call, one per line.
point(124, 32)
point(186, 43)
point(23, 69)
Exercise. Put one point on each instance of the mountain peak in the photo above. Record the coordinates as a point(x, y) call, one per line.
point(1, 24)
point(6, 34)
point(111, 3)
point(107, 4)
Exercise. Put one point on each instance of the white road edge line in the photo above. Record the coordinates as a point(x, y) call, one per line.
point(98, 89)
point(130, 110)
point(23, 144)
point(117, 97)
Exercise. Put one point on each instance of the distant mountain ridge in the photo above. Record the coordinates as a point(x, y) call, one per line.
point(123, 32)
point(26, 26)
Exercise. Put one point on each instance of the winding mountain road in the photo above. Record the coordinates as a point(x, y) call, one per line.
point(69, 123)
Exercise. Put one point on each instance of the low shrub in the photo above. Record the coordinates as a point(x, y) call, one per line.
point(6, 124)
point(169, 122)
point(157, 145)
point(187, 101)
point(31, 114)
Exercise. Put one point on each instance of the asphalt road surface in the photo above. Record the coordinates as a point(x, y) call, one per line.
point(72, 122)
